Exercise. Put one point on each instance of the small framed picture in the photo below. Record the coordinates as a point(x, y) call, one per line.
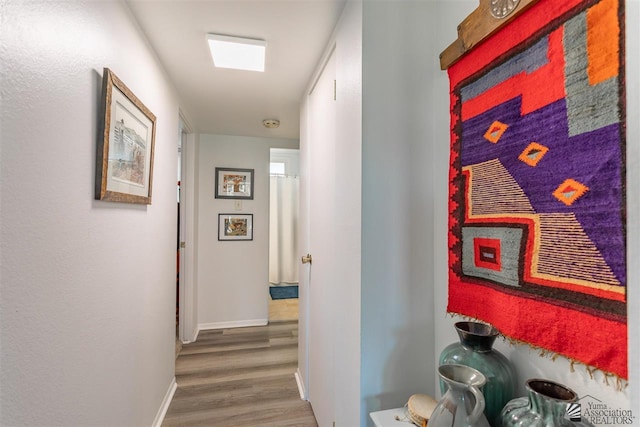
point(235, 226)
point(232, 183)
point(124, 160)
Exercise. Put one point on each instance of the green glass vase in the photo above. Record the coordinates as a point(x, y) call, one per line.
point(475, 349)
point(548, 404)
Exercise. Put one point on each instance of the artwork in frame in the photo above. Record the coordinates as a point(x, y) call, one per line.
point(233, 183)
point(235, 226)
point(124, 157)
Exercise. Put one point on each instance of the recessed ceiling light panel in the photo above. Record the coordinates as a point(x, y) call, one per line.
point(237, 53)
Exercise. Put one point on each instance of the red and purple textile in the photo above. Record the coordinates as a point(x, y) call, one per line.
point(537, 215)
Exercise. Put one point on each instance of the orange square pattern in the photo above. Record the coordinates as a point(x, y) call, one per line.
point(570, 191)
point(533, 154)
point(495, 131)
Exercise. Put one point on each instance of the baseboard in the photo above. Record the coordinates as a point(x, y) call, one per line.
point(195, 335)
point(301, 390)
point(235, 324)
point(193, 338)
point(165, 404)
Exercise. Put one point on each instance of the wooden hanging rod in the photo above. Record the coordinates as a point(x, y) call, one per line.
point(476, 27)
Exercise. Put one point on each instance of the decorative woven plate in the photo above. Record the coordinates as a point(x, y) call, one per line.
point(420, 408)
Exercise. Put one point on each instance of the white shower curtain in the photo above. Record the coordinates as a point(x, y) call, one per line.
point(283, 230)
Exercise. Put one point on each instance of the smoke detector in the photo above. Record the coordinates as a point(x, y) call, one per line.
point(271, 123)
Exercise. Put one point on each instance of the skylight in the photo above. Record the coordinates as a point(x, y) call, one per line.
point(237, 53)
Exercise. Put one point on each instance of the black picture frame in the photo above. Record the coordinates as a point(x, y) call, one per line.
point(234, 227)
point(234, 183)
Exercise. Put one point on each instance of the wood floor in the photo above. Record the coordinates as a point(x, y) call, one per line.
point(283, 309)
point(242, 377)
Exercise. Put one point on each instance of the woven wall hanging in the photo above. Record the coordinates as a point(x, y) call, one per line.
point(537, 217)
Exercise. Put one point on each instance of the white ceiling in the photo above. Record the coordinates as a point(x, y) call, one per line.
point(234, 102)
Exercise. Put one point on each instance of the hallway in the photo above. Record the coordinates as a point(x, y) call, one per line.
point(240, 377)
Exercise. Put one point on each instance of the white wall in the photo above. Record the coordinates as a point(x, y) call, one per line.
point(528, 363)
point(87, 326)
point(233, 276)
point(397, 255)
point(348, 167)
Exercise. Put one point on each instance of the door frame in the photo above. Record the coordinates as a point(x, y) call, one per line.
point(187, 308)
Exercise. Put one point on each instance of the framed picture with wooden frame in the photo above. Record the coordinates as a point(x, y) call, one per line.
point(235, 226)
point(234, 183)
point(124, 158)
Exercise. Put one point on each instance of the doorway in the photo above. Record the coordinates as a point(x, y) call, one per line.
point(283, 234)
point(186, 311)
point(181, 225)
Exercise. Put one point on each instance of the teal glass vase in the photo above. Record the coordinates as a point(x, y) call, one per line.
point(548, 404)
point(475, 350)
